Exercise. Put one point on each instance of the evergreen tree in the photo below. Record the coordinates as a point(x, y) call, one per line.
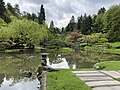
point(2, 9)
point(62, 30)
point(17, 9)
point(71, 25)
point(9, 7)
point(101, 11)
point(33, 17)
point(98, 22)
point(86, 26)
point(57, 30)
point(41, 16)
point(51, 28)
point(79, 23)
point(29, 17)
point(3, 13)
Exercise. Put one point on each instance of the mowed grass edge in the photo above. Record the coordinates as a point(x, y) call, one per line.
point(65, 80)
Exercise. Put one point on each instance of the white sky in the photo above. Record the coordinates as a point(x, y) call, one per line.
point(60, 11)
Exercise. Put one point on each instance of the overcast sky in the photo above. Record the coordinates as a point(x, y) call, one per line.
point(60, 11)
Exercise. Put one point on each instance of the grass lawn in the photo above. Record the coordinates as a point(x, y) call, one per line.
point(110, 65)
point(65, 80)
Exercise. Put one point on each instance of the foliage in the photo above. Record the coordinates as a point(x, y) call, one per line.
point(2, 23)
point(116, 44)
point(97, 38)
point(65, 80)
point(57, 43)
point(98, 24)
point(41, 16)
point(3, 13)
point(79, 22)
point(25, 31)
point(74, 36)
point(4, 45)
point(51, 28)
point(86, 25)
point(111, 23)
point(71, 25)
point(62, 50)
point(101, 11)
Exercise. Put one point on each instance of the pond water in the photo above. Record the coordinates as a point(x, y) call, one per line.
point(14, 65)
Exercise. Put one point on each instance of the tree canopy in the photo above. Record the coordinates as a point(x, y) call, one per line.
point(27, 31)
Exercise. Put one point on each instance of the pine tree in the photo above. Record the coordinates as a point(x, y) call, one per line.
point(51, 28)
point(17, 9)
point(98, 23)
point(101, 11)
point(71, 25)
point(41, 16)
point(3, 13)
point(33, 17)
point(2, 9)
point(86, 25)
point(10, 8)
point(79, 23)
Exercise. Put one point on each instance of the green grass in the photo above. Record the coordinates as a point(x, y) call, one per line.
point(118, 79)
point(110, 65)
point(65, 80)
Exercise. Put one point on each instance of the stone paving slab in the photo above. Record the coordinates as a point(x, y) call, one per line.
point(103, 83)
point(100, 80)
point(83, 72)
point(107, 88)
point(114, 74)
point(88, 79)
point(91, 75)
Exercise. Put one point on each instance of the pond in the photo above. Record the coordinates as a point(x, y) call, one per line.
point(14, 65)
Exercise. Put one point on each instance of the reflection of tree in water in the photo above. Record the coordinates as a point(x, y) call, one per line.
point(80, 60)
point(54, 58)
point(14, 64)
point(1, 79)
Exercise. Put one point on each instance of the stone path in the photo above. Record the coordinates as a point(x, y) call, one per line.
point(100, 80)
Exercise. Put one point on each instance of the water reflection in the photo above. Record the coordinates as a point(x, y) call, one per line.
point(12, 66)
point(69, 61)
point(23, 84)
point(59, 63)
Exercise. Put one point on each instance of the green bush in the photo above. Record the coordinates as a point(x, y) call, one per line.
point(4, 45)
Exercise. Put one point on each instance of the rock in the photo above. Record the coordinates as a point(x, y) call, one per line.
point(99, 67)
point(49, 69)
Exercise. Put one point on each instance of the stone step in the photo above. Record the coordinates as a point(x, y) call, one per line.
point(91, 75)
point(103, 83)
point(107, 88)
point(114, 74)
point(89, 79)
point(84, 72)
